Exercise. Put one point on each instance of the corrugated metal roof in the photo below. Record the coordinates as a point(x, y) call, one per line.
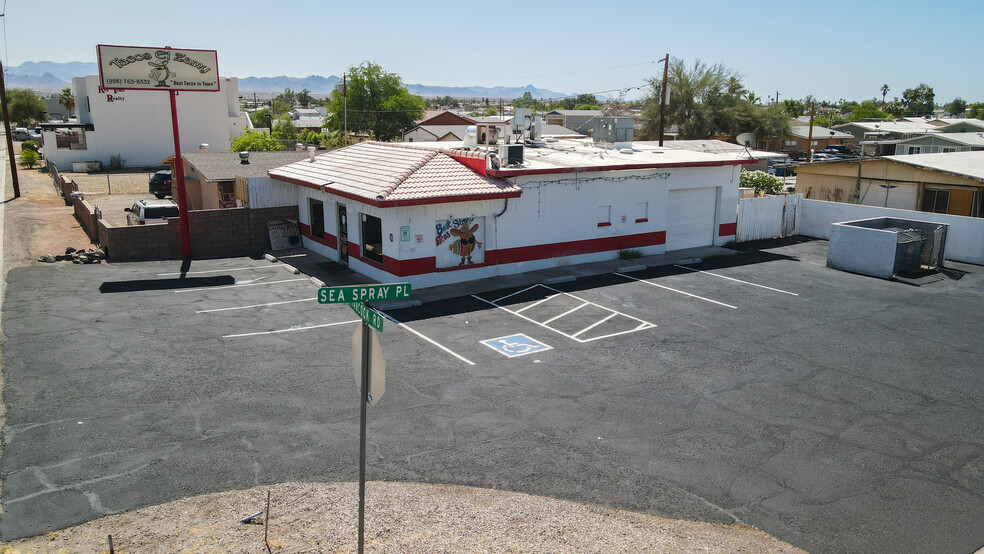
point(226, 166)
point(393, 174)
point(965, 164)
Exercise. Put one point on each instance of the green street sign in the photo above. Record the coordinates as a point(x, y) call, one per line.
point(363, 293)
point(369, 315)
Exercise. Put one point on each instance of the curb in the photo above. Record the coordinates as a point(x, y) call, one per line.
point(630, 268)
point(561, 279)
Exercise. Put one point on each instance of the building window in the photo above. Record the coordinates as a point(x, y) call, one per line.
point(316, 209)
point(977, 210)
point(372, 238)
point(789, 143)
point(70, 140)
point(936, 201)
point(642, 212)
point(945, 150)
point(604, 216)
point(814, 143)
point(914, 150)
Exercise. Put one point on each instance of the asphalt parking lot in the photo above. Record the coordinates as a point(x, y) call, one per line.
point(838, 412)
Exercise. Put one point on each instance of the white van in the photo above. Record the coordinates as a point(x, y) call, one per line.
point(151, 211)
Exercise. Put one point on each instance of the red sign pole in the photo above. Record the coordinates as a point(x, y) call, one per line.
point(178, 171)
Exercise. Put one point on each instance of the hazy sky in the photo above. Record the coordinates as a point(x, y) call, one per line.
point(829, 49)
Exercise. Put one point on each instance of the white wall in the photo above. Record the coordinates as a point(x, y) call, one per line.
point(964, 240)
point(137, 124)
point(553, 209)
point(902, 197)
point(862, 250)
point(265, 192)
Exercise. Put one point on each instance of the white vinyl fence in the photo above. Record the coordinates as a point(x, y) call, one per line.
point(767, 217)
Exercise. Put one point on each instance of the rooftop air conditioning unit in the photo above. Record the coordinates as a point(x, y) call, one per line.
point(613, 130)
point(511, 154)
point(471, 137)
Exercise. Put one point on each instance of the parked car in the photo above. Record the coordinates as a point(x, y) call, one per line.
point(782, 170)
point(839, 151)
point(20, 133)
point(160, 183)
point(822, 157)
point(151, 211)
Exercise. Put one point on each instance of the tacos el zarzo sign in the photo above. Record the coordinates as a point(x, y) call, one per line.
point(146, 68)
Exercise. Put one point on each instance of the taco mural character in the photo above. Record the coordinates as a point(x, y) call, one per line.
point(459, 242)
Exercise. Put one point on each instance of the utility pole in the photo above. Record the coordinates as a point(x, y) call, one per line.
point(663, 99)
point(809, 141)
point(10, 140)
point(344, 108)
point(777, 97)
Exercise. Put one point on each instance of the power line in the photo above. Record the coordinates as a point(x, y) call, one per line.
point(542, 74)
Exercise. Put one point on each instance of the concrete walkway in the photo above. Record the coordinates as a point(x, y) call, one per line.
point(331, 273)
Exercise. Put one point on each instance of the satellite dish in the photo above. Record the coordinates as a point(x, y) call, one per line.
point(746, 139)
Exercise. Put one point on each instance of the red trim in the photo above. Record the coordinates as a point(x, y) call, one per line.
point(605, 224)
point(354, 250)
point(728, 229)
point(625, 167)
point(478, 165)
point(328, 240)
point(400, 203)
point(643, 220)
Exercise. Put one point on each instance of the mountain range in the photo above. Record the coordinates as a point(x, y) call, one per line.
point(54, 76)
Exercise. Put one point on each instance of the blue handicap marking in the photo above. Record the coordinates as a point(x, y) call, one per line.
point(516, 345)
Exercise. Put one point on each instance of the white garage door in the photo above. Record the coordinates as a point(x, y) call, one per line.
point(690, 218)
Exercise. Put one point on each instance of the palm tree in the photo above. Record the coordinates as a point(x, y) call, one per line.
point(67, 99)
point(884, 91)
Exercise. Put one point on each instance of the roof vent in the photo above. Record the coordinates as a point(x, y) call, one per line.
point(203, 147)
point(298, 147)
point(244, 157)
point(311, 150)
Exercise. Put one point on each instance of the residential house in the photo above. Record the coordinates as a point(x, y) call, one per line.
point(215, 180)
point(943, 142)
point(799, 141)
point(439, 125)
point(433, 213)
point(135, 125)
point(950, 183)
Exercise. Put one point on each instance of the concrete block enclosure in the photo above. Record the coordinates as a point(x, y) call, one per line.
point(885, 246)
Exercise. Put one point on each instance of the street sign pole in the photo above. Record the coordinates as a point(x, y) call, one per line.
point(178, 168)
point(364, 400)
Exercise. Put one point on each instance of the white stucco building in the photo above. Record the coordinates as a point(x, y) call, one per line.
point(136, 124)
point(433, 215)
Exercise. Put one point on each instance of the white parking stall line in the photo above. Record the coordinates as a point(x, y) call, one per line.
point(595, 324)
point(685, 293)
point(214, 270)
point(515, 293)
point(736, 280)
point(242, 285)
point(292, 329)
point(426, 338)
point(572, 310)
point(255, 305)
point(538, 302)
point(642, 324)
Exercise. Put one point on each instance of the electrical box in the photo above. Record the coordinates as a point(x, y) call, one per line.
point(613, 130)
point(511, 154)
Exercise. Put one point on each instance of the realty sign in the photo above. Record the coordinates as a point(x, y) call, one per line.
point(153, 68)
point(363, 293)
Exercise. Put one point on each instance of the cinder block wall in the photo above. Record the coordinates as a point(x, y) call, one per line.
point(214, 234)
point(86, 214)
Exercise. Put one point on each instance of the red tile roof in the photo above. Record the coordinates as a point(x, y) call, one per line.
point(390, 175)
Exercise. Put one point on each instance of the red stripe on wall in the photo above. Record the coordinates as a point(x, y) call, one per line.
point(728, 229)
point(328, 240)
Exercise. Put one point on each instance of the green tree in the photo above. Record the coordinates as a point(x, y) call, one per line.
point(919, 100)
point(976, 110)
point(957, 107)
point(527, 101)
point(29, 158)
point(23, 106)
point(377, 103)
point(67, 99)
point(284, 129)
point(252, 141)
point(867, 110)
point(311, 137)
point(262, 118)
point(793, 108)
point(490, 112)
point(333, 140)
point(304, 98)
point(884, 91)
point(284, 102)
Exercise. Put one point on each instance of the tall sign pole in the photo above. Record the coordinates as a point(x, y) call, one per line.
point(162, 69)
point(179, 175)
point(363, 401)
point(663, 100)
point(10, 140)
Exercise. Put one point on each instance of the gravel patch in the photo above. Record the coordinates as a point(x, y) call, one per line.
point(400, 517)
point(112, 183)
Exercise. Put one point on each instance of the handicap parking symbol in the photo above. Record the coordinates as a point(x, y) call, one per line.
point(516, 345)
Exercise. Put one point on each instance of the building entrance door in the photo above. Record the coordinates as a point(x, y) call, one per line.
point(342, 235)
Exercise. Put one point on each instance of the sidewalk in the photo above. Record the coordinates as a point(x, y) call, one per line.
point(330, 273)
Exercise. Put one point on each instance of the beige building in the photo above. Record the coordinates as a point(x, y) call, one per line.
point(951, 183)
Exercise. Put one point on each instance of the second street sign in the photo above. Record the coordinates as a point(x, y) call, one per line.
point(369, 315)
point(363, 293)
